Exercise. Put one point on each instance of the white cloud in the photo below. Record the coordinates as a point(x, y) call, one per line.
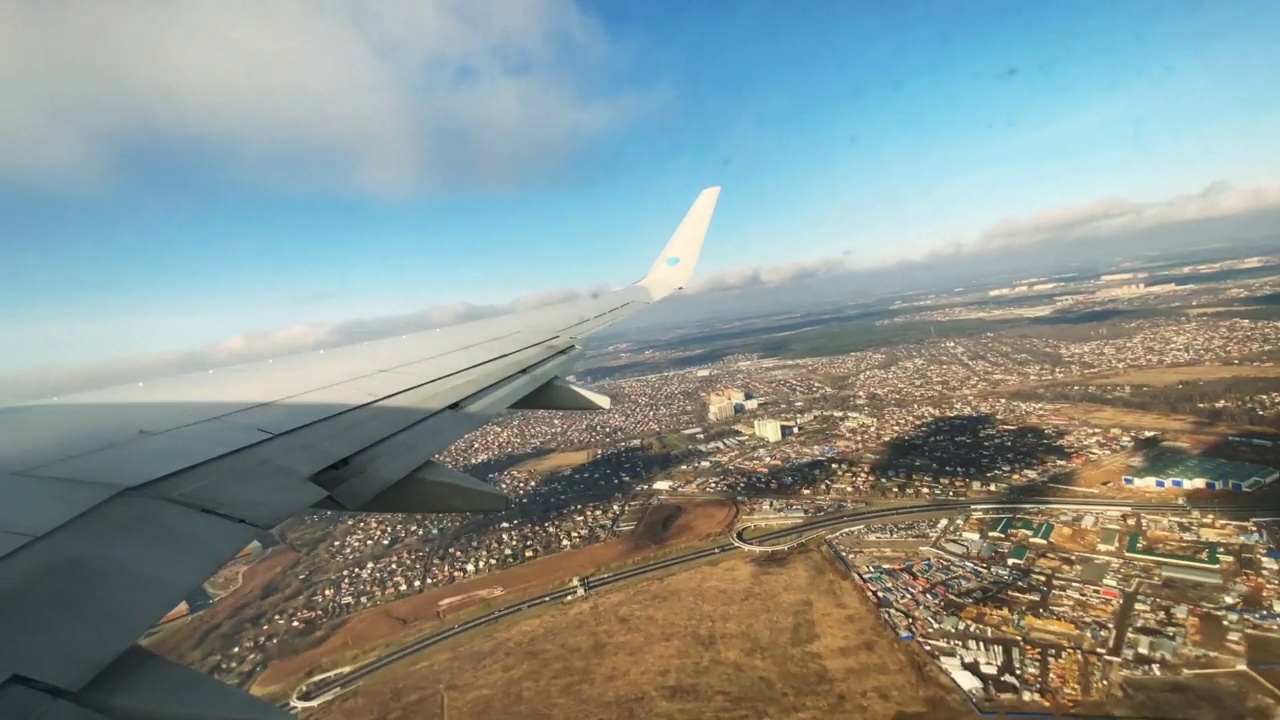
point(1114, 216)
point(54, 380)
point(1102, 217)
point(385, 97)
point(1055, 222)
point(761, 276)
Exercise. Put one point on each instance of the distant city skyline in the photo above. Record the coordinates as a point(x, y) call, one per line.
point(422, 164)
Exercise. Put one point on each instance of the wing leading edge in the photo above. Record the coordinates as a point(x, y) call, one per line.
point(115, 504)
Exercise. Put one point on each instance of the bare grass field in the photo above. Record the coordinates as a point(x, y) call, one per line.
point(557, 461)
point(1107, 471)
point(400, 620)
point(1209, 696)
point(1155, 376)
point(1106, 476)
point(1162, 376)
point(1106, 416)
point(768, 636)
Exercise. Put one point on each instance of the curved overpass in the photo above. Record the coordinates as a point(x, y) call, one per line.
point(297, 698)
point(327, 690)
point(736, 538)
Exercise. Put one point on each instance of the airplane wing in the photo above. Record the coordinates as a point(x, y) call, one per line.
point(116, 504)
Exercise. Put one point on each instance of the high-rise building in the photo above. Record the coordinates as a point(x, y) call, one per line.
point(732, 395)
point(770, 430)
point(720, 410)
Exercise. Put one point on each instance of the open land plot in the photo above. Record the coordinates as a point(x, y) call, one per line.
point(1106, 476)
point(1161, 376)
point(1201, 435)
point(739, 637)
point(1154, 376)
point(1107, 416)
point(1074, 539)
point(557, 461)
point(403, 619)
point(1233, 695)
point(1106, 471)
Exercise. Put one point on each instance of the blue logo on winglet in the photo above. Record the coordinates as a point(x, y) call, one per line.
point(673, 261)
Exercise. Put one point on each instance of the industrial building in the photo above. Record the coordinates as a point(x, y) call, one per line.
point(1169, 469)
point(720, 411)
point(1133, 549)
point(1206, 576)
point(1039, 532)
point(1017, 556)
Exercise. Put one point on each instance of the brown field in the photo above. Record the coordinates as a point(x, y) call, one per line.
point(1209, 696)
point(183, 641)
point(1107, 416)
point(398, 621)
point(1109, 469)
point(557, 461)
point(1075, 539)
point(657, 523)
point(738, 637)
point(1173, 375)
point(1158, 376)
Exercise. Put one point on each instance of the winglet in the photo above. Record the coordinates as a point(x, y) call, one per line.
point(675, 265)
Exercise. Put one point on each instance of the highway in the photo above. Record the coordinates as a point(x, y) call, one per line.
point(332, 687)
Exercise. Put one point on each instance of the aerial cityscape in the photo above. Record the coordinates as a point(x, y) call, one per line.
point(546, 359)
point(1098, 497)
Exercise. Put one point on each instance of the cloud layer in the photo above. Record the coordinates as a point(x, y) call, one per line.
point(1098, 218)
point(52, 381)
point(387, 98)
point(1102, 218)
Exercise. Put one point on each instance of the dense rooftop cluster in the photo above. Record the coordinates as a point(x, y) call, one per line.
point(1169, 342)
point(1024, 611)
point(916, 420)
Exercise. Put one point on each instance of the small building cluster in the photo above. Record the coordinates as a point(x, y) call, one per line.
point(1017, 625)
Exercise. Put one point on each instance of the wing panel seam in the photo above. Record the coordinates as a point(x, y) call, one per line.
point(372, 401)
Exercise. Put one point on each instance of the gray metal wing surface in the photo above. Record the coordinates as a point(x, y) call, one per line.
point(116, 504)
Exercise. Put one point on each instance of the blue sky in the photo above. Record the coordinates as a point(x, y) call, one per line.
point(276, 167)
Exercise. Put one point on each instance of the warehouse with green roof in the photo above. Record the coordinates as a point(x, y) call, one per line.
point(1040, 532)
point(1134, 549)
point(1172, 469)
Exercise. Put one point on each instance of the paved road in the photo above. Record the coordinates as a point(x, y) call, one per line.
point(860, 516)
